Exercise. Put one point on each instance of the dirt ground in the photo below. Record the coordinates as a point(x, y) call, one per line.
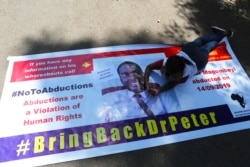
point(32, 27)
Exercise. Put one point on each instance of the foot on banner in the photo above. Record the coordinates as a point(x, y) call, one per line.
point(228, 33)
point(217, 29)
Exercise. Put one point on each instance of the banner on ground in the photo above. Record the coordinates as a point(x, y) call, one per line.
point(71, 105)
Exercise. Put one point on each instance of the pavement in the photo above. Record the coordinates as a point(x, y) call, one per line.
point(32, 27)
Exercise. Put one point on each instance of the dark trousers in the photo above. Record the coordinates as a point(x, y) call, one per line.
point(198, 50)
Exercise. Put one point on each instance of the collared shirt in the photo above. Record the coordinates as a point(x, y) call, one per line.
point(189, 70)
point(122, 105)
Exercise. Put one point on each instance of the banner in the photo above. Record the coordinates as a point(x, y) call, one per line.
point(70, 105)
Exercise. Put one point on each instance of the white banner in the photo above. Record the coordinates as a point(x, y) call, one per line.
point(71, 105)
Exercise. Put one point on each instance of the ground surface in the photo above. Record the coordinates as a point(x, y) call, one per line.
point(31, 27)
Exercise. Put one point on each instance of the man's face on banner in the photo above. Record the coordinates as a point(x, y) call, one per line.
point(131, 77)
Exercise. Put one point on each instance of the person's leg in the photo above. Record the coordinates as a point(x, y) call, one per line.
point(207, 47)
point(209, 38)
point(208, 42)
point(198, 55)
point(199, 49)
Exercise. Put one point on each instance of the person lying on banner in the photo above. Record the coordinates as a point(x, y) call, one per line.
point(192, 59)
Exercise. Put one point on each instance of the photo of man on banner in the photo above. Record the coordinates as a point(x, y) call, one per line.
point(132, 100)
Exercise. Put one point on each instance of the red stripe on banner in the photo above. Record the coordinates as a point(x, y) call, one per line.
point(73, 65)
point(168, 51)
point(219, 53)
point(83, 64)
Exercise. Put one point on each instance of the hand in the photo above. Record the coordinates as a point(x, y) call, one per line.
point(154, 89)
